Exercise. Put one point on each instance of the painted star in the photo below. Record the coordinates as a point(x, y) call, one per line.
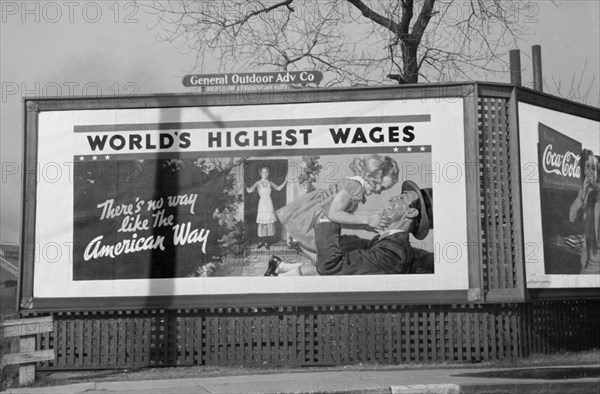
point(94, 157)
point(80, 158)
point(422, 149)
point(409, 149)
point(396, 149)
point(107, 157)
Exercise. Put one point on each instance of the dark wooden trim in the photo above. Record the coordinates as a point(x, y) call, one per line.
point(564, 294)
point(517, 197)
point(267, 96)
point(30, 142)
point(548, 101)
point(495, 90)
point(471, 141)
point(504, 295)
point(249, 300)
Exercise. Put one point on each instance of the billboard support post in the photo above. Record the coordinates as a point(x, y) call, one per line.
point(473, 200)
point(536, 58)
point(515, 67)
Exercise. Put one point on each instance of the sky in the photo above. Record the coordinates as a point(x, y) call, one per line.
point(86, 48)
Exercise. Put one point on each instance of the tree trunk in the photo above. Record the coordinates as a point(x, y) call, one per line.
point(411, 65)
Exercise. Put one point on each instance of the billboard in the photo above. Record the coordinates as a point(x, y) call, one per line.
point(197, 201)
point(561, 203)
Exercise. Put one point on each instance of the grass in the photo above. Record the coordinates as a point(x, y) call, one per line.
point(71, 377)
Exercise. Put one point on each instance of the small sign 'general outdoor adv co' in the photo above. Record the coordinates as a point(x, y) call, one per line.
point(269, 78)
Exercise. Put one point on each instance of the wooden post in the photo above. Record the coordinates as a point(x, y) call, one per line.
point(515, 67)
point(536, 56)
point(517, 208)
point(27, 370)
point(473, 187)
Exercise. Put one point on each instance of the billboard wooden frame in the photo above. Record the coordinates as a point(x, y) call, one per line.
point(33, 106)
point(559, 104)
point(497, 122)
point(503, 98)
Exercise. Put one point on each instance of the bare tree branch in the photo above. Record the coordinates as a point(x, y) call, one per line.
point(579, 88)
point(375, 17)
point(354, 42)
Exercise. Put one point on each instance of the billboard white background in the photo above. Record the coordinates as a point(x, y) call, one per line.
point(58, 145)
point(587, 132)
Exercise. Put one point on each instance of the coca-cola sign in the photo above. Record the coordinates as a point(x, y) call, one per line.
point(560, 164)
point(559, 157)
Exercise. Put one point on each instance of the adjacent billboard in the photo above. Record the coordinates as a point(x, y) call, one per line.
point(561, 198)
point(226, 200)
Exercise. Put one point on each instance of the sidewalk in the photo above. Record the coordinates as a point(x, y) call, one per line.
point(435, 380)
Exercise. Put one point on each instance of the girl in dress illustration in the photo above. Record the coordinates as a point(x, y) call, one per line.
point(265, 216)
point(372, 175)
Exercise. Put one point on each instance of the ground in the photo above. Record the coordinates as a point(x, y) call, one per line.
point(45, 378)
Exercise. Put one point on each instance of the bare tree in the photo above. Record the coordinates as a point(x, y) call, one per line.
point(355, 41)
point(579, 88)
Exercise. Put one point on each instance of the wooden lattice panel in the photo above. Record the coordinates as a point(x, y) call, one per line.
point(500, 263)
point(553, 326)
point(301, 336)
